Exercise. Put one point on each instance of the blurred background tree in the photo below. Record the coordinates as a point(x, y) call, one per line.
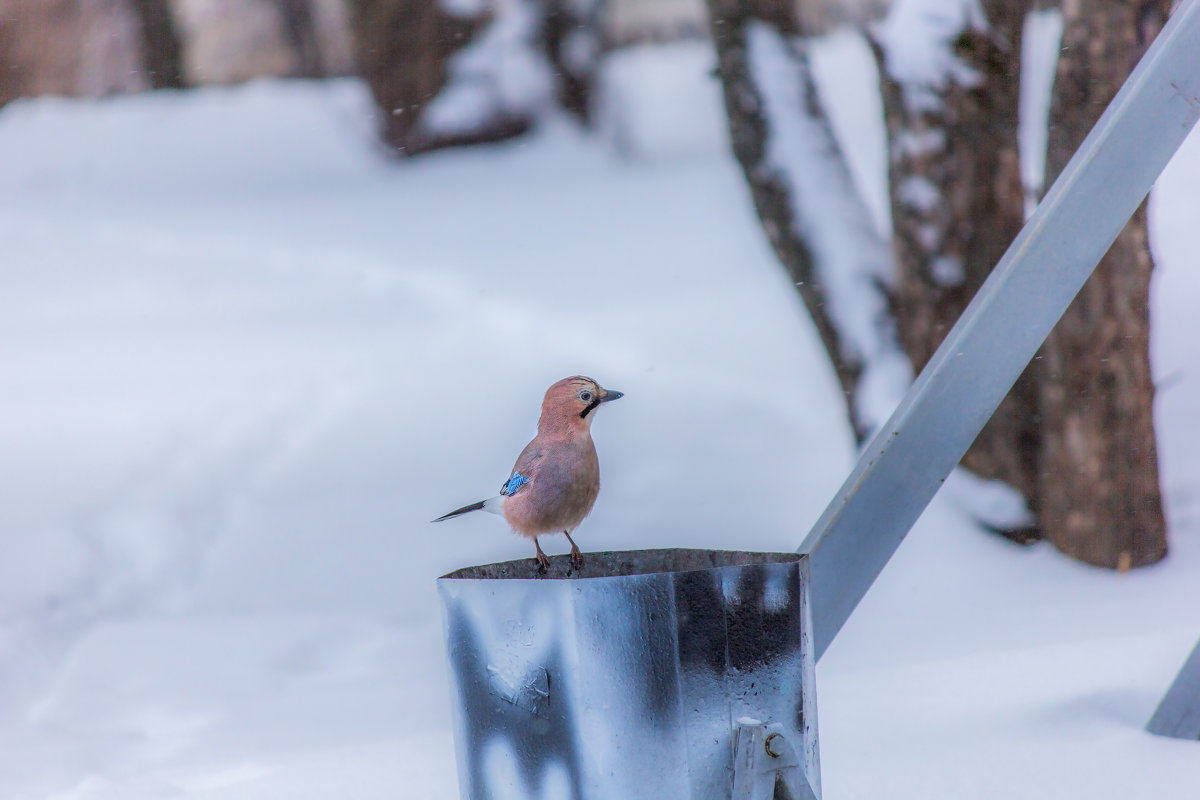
point(1075, 436)
point(97, 47)
point(162, 56)
point(304, 37)
point(467, 71)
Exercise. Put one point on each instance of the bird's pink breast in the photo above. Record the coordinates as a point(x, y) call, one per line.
point(559, 494)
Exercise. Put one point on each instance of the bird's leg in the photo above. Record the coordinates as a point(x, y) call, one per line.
point(576, 553)
point(543, 562)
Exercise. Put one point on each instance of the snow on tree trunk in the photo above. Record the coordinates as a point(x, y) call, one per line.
point(811, 212)
point(1100, 498)
point(1039, 58)
point(950, 88)
point(466, 71)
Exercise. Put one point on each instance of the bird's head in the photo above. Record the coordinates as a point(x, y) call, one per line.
point(573, 401)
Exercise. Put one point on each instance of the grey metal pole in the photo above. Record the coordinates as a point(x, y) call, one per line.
point(902, 467)
point(1178, 715)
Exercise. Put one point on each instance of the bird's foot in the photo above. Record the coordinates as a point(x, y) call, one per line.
point(543, 562)
point(576, 558)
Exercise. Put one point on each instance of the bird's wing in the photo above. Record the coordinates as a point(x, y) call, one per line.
point(514, 483)
point(524, 470)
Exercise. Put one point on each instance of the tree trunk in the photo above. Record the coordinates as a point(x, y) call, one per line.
point(571, 37)
point(1100, 498)
point(301, 31)
point(12, 73)
point(161, 51)
point(443, 79)
point(810, 210)
point(402, 47)
point(957, 203)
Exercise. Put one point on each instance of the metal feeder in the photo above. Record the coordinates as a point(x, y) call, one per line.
point(666, 674)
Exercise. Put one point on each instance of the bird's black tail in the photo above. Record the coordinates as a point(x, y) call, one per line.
point(460, 511)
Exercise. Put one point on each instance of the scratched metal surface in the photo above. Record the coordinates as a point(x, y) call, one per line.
point(626, 680)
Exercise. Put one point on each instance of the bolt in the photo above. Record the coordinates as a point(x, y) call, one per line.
point(769, 742)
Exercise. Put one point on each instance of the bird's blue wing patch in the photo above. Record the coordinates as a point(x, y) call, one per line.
point(515, 482)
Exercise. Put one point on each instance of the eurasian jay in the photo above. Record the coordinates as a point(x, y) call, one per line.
point(556, 478)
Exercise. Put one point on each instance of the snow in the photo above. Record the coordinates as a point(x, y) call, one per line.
point(844, 66)
point(1039, 60)
point(992, 503)
point(919, 193)
point(917, 37)
point(662, 102)
point(499, 75)
point(244, 360)
point(466, 9)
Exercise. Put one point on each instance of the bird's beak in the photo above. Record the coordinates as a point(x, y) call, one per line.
point(611, 394)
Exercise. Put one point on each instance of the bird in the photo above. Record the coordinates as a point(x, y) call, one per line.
point(555, 480)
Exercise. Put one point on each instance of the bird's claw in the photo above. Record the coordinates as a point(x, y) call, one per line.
point(543, 563)
point(576, 558)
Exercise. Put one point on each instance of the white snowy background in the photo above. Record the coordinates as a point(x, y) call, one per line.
point(244, 359)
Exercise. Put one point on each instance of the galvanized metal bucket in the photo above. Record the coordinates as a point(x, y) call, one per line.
point(664, 674)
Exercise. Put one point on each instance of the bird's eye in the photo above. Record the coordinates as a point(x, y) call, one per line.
point(585, 396)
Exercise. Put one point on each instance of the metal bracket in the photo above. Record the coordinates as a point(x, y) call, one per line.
point(766, 765)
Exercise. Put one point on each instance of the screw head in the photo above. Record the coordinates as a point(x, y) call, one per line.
point(773, 745)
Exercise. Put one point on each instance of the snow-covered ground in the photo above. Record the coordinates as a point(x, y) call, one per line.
point(244, 360)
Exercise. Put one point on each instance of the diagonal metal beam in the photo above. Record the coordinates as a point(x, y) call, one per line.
point(902, 467)
point(1178, 715)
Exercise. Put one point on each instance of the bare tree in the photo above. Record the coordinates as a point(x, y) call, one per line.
point(459, 73)
point(1098, 467)
point(1074, 438)
point(162, 53)
point(402, 47)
